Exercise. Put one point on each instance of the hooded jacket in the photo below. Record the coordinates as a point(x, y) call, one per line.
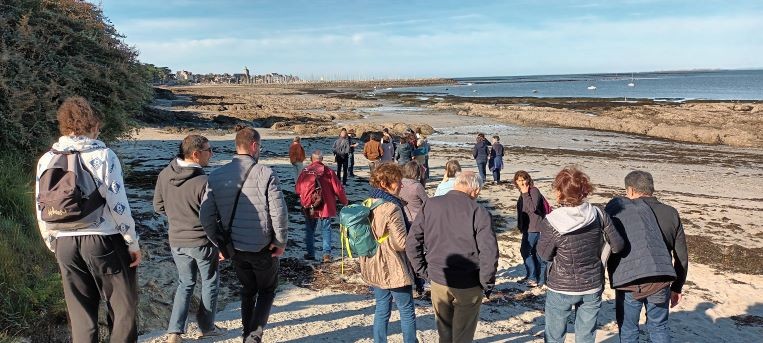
point(572, 239)
point(104, 165)
point(403, 153)
point(178, 193)
point(331, 188)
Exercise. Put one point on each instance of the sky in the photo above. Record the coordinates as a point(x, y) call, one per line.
point(440, 38)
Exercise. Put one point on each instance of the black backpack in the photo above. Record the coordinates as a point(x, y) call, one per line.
point(68, 196)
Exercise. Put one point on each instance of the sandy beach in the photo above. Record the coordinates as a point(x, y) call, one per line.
point(716, 189)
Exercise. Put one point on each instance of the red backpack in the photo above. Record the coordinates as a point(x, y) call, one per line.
point(310, 197)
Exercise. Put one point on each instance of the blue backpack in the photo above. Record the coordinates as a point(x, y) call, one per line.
point(355, 229)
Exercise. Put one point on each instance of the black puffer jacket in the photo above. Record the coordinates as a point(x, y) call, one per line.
point(572, 239)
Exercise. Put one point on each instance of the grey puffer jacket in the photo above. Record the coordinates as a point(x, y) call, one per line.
point(572, 239)
point(261, 216)
point(646, 255)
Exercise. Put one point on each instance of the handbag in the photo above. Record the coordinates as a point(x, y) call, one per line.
point(226, 244)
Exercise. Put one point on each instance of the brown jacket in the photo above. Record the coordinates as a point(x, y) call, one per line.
point(389, 268)
point(373, 150)
point(296, 153)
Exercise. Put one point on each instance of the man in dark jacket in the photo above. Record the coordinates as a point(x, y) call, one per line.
point(245, 198)
point(341, 150)
point(481, 152)
point(178, 193)
point(452, 244)
point(652, 271)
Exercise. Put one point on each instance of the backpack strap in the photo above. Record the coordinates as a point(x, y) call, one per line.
point(374, 205)
point(238, 195)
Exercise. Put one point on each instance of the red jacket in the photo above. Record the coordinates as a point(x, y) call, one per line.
point(331, 188)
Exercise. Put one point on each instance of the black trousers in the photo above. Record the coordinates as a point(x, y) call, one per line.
point(351, 163)
point(341, 167)
point(258, 274)
point(96, 267)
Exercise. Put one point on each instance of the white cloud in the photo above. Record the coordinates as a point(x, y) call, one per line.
point(581, 45)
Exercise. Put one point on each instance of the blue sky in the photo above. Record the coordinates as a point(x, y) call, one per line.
point(391, 38)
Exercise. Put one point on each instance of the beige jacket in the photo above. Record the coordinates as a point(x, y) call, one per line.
point(389, 267)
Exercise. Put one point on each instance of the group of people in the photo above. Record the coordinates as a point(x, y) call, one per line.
point(238, 212)
point(638, 240)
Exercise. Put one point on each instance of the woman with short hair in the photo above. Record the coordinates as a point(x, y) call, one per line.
point(572, 239)
point(388, 271)
point(96, 245)
point(530, 213)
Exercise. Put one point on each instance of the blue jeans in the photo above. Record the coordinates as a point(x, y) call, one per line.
point(482, 169)
point(628, 312)
point(310, 225)
point(535, 267)
point(404, 299)
point(558, 309)
point(202, 261)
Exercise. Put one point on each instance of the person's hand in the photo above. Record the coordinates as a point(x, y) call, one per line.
point(524, 188)
point(675, 298)
point(276, 251)
point(220, 257)
point(135, 256)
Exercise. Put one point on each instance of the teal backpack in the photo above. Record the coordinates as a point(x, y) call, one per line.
point(355, 226)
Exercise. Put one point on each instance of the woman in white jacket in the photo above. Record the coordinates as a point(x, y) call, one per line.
point(98, 258)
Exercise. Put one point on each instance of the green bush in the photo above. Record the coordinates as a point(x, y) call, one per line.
point(30, 285)
point(50, 50)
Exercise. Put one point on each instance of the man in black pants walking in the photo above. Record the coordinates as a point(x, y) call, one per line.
point(341, 155)
point(246, 197)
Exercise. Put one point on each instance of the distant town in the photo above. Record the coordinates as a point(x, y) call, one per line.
point(165, 76)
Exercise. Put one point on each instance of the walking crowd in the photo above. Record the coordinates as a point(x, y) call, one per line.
point(406, 242)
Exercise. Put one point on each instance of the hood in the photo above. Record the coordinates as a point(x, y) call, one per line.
point(183, 171)
point(77, 143)
point(569, 219)
point(317, 167)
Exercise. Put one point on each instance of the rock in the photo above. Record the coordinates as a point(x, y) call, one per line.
point(225, 120)
point(742, 108)
point(279, 125)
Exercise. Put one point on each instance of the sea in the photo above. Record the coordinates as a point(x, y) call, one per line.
point(669, 86)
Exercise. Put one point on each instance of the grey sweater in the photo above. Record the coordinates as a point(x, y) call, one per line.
point(452, 242)
point(261, 216)
point(178, 195)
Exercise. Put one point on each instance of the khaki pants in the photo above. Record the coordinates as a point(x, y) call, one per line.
point(457, 312)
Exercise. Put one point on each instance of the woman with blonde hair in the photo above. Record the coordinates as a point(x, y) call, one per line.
point(388, 271)
point(452, 168)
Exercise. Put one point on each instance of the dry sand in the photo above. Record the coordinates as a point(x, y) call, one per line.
point(717, 190)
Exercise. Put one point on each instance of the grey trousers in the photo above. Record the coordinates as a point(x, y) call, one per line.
point(96, 267)
point(457, 312)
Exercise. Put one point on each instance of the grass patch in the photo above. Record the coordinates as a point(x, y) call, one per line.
point(31, 297)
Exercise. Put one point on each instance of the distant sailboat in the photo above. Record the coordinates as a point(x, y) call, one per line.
point(631, 84)
point(591, 88)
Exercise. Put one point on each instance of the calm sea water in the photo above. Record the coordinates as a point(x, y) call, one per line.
point(668, 86)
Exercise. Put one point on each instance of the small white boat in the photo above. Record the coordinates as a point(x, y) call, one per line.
point(535, 91)
point(631, 84)
point(469, 83)
point(591, 88)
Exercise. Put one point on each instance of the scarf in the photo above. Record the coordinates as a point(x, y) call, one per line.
point(377, 193)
